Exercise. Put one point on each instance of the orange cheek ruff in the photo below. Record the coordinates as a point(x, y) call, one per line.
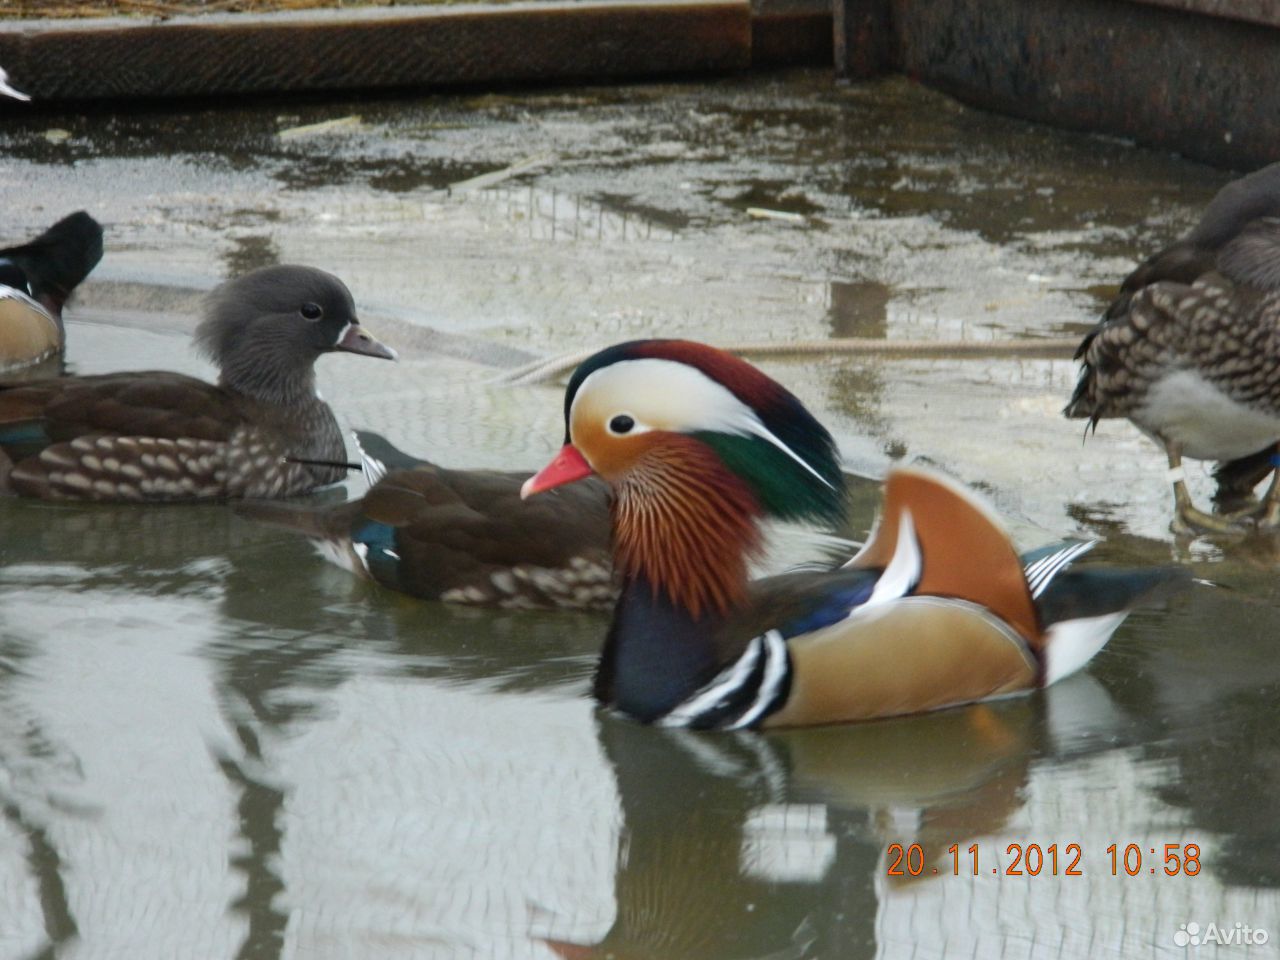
point(686, 523)
point(681, 519)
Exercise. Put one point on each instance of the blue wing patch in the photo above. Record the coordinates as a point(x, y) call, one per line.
point(834, 607)
point(381, 557)
point(27, 433)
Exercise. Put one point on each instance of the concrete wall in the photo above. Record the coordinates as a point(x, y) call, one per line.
point(1201, 77)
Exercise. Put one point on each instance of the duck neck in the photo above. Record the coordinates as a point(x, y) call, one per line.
point(687, 525)
point(684, 529)
point(270, 373)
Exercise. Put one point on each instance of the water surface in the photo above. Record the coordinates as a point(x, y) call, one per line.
point(214, 745)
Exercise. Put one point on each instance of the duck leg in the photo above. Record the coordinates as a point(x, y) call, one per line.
point(1188, 518)
point(1269, 512)
point(1237, 479)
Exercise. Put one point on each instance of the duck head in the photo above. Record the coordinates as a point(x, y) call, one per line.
point(698, 446)
point(51, 266)
point(266, 329)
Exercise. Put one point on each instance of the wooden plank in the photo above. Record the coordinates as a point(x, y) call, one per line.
point(374, 48)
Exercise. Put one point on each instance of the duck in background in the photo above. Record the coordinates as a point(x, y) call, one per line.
point(262, 431)
point(8, 90)
point(1189, 351)
point(36, 279)
point(464, 536)
point(936, 610)
point(461, 536)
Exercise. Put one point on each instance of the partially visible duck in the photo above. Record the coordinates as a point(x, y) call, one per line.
point(1189, 351)
point(462, 536)
point(8, 90)
point(936, 610)
point(36, 279)
point(262, 431)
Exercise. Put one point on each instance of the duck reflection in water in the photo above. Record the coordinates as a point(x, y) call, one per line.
point(765, 847)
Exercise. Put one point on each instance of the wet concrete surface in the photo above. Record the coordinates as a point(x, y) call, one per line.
point(213, 744)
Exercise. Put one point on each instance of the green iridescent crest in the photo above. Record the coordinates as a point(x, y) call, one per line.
point(784, 486)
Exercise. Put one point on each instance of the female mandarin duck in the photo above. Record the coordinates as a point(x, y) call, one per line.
point(461, 536)
point(1190, 351)
point(936, 610)
point(36, 279)
point(262, 431)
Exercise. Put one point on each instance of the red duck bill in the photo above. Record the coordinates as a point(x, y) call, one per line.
point(568, 466)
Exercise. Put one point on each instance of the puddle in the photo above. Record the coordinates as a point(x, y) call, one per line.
point(213, 744)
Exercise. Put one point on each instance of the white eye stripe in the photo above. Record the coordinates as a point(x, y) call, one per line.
point(673, 396)
point(763, 431)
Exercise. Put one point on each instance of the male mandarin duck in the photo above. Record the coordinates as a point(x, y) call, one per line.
point(936, 610)
point(462, 536)
point(262, 431)
point(1190, 351)
point(36, 279)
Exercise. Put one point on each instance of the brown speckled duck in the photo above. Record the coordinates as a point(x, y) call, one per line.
point(1190, 352)
point(462, 536)
point(937, 610)
point(36, 279)
point(262, 431)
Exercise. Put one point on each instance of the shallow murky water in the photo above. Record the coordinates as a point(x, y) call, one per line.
point(214, 745)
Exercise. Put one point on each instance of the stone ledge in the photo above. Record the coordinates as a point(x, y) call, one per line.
point(373, 48)
point(1266, 12)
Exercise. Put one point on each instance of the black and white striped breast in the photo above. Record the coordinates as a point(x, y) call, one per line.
point(743, 693)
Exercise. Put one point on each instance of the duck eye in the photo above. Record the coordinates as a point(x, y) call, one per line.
point(621, 424)
point(311, 311)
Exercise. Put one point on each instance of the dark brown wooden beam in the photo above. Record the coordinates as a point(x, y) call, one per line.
point(373, 48)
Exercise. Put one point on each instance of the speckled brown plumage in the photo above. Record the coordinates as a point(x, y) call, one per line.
point(1190, 348)
point(465, 536)
point(163, 436)
point(1227, 332)
point(156, 435)
point(1203, 303)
